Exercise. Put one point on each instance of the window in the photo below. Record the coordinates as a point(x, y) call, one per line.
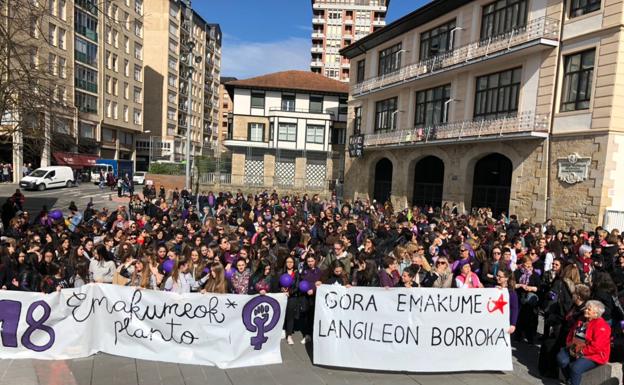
point(385, 114)
point(137, 116)
point(115, 115)
point(126, 67)
point(137, 73)
point(172, 80)
point(108, 135)
point(171, 97)
point(126, 138)
point(115, 62)
point(138, 28)
point(138, 6)
point(86, 130)
point(288, 102)
point(357, 121)
point(126, 91)
point(115, 87)
point(85, 102)
point(52, 64)
point(315, 134)
point(52, 34)
point(257, 99)
point(125, 113)
point(62, 36)
point(126, 44)
point(116, 39)
point(581, 7)
point(316, 104)
point(171, 113)
point(497, 94)
point(109, 34)
point(431, 106)
point(577, 80)
point(436, 40)
point(361, 70)
point(389, 60)
point(109, 108)
point(173, 45)
point(62, 14)
point(86, 78)
point(503, 16)
point(173, 10)
point(255, 132)
point(138, 51)
point(173, 29)
point(62, 67)
point(173, 63)
point(86, 25)
point(108, 59)
point(287, 132)
point(107, 80)
point(137, 95)
point(86, 52)
point(343, 107)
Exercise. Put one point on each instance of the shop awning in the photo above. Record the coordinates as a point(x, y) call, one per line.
point(74, 160)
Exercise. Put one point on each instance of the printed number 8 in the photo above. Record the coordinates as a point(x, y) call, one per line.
point(9, 316)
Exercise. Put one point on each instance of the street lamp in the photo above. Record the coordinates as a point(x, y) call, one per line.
point(188, 60)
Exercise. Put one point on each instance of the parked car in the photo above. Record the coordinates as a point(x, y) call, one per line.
point(139, 177)
point(48, 177)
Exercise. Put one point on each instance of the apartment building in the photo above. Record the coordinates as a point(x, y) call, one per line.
point(108, 76)
point(175, 24)
point(508, 104)
point(337, 24)
point(284, 129)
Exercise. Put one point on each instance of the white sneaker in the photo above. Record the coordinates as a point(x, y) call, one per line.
point(290, 340)
point(305, 340)
point(283, 334)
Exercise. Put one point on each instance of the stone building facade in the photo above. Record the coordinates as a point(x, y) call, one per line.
point(509, 104)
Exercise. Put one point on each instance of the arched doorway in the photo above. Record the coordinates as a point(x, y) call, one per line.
point(492, 183)
point(428, 182)
point(383, 180)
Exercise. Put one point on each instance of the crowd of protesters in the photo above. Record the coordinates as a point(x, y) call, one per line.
point(244, 244)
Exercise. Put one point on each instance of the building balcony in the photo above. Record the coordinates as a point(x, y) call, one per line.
point(379, 23)
point(542, 32)
point(522, 126)
point(317, 49)
point(85, 59)
point(316, 63)
point(86, 32)
point(85, 85)
point(317, 35)
point(88, 5)
point(318, 20)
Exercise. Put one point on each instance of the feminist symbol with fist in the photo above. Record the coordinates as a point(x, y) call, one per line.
point(260, 315)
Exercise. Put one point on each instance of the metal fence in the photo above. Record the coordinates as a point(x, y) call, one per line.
point(526, 122)
point(542, 27)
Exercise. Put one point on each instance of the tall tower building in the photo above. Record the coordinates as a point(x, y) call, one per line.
point(167, 95)
point(338, 23)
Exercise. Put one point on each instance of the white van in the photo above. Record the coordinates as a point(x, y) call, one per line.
point(48, 177)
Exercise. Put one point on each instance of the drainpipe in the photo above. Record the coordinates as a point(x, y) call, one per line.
point(548, 211)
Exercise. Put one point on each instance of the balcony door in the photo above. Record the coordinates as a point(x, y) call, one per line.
point(428, 182)
point(492, 183)
point(383, 180)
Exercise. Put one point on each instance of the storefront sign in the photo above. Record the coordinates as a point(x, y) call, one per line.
point(573, 169)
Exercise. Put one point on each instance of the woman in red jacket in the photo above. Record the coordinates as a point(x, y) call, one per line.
point(588, 344)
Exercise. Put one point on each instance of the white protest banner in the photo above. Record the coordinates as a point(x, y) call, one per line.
point(224, 330)
point(415, 330)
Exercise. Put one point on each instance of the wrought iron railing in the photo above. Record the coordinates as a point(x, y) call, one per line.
point(536, 29)
point(522, 123)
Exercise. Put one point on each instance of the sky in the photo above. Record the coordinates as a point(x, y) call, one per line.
point(264, 36)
